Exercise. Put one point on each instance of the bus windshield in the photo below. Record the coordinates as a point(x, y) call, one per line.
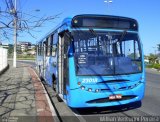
point(107, 53)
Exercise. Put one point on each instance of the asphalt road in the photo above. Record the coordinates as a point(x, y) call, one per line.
point(150, 104)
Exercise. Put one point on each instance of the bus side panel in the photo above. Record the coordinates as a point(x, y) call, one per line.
point(143, 70)
point(47, 72)
point(40, 65)
point(51, 69)
point(72, 79)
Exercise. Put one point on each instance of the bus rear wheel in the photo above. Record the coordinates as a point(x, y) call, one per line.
point(54, 82)
point(40, 74)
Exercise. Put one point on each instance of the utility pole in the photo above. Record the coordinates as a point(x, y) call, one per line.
point(15, 35)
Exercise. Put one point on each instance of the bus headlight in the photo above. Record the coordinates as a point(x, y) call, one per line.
point(89, 89)
point(97, 90)
point(82, 87)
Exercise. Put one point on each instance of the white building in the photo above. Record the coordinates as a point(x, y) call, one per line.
point(23, 46)
point(4, 45)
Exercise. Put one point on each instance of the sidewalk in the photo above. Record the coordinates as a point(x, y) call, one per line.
point(22, 96)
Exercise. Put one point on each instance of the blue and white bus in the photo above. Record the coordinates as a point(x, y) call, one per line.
point(93, 61)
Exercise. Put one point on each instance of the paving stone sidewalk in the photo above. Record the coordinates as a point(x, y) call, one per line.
point(17, 95)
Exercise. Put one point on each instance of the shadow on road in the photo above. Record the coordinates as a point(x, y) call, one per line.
point(107, 110)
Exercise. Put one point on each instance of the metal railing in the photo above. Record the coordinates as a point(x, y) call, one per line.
point(3, 58)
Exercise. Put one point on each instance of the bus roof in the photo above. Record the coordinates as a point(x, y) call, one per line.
point(104, 21)
point(95, 21)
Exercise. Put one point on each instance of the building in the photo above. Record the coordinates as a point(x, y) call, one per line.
point(23, 46)
point(4, 45)
point(26, 47)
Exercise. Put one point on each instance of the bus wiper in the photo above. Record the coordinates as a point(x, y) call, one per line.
point(122, 35)
point(93, 32)
point(68, 34)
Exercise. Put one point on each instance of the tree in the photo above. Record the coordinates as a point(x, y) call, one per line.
point(152, 58)
point(158, 47)
point(17, 21)
point(10, 51)
point(25, 22)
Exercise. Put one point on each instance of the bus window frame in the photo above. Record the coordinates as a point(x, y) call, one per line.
point(54, 50)
point(53, 42)
point(41, 49)
point(48, 45)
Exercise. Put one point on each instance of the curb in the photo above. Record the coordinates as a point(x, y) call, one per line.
point(64, 114)
point(4, 70)
point(63, 111)
point(27, 60)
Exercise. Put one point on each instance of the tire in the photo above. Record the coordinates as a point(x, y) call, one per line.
point(54, 82)
point(40, 74)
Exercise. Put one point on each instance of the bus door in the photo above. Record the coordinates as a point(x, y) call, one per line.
point(62, 63)
point(44, 59)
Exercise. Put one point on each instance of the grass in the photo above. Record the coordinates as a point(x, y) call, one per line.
point(25, 58)
point(156, 66)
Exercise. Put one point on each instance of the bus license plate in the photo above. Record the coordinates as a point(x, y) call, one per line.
point(115, 97)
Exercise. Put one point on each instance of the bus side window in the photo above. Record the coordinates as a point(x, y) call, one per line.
point(41, 49)
point(54, 39)
point(54, 49)
point(49, 46)
point(46, 46)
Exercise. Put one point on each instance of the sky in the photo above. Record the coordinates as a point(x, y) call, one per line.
point(146, 12)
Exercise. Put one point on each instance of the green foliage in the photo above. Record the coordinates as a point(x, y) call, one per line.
point(10, 49)
point(152, 58)
point(156, 66)
point(158, 47)
point(25, 56)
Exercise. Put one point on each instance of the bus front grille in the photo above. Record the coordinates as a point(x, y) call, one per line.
point(104, 100)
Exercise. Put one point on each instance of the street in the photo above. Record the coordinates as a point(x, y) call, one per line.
point(151, 102)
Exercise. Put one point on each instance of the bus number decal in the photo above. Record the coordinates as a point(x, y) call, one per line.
point(89, 80)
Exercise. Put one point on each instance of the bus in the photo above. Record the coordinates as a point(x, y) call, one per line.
point(93, 61)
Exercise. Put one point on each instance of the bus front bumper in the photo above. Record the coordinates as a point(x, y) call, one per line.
point(79, 98)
